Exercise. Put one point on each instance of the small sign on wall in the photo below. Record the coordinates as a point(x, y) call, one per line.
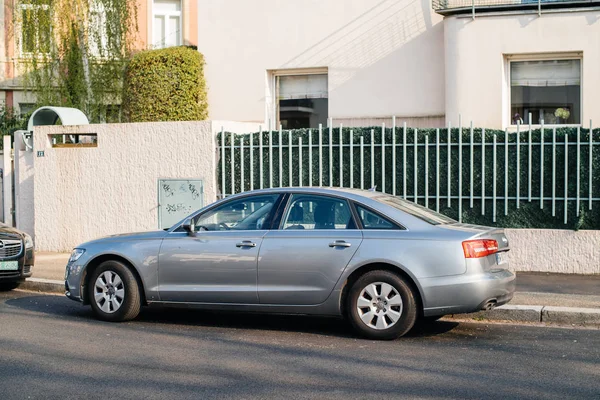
point(40, 153)
point(178, 198)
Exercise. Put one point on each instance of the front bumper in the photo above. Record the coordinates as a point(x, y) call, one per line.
point(467, 293)
point(26, 260)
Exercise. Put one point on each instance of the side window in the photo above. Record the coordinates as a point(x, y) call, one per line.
point(249, 213)
point(370, 220)
point(318, 212)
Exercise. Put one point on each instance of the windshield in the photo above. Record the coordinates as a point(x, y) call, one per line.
point(415, 210)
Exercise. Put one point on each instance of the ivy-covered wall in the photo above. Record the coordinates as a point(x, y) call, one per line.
point(427, 165)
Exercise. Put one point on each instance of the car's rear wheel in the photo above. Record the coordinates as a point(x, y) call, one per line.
point(381, 305)
point(6, 286)
point(114, 292)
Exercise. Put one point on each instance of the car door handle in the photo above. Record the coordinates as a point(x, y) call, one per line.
point(340, 243)
point(245, 243)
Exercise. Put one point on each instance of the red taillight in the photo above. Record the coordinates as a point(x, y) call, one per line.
point(479, 248)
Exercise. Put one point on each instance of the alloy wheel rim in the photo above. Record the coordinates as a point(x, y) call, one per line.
point(109, 292)
point(379, 305)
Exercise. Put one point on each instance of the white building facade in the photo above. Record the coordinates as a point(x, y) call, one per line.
point(360, 62)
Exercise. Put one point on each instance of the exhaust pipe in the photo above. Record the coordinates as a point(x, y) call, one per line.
point(489, 305)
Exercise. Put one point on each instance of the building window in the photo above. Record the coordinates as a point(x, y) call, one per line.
point(302, 100)
point(35, 27)
point(166, 23)
point(25, 109)
point(548, 89)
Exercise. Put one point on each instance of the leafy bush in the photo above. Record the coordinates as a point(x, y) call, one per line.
point(165, 85)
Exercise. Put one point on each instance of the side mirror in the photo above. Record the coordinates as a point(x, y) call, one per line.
point(188, 226)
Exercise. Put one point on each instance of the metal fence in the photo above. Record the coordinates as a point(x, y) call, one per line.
point(490, 171)
point(449, 5)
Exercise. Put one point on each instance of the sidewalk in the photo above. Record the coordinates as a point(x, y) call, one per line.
point(540, 297)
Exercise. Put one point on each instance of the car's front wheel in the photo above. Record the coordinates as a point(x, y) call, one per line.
point(381, 305)
point(114, 292)
point(6, 286)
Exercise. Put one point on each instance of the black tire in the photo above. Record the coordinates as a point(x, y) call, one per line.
point(7, 286)
point(131, 302)
point(407, 312)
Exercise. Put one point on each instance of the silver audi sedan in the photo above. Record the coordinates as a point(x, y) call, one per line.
point(382, 262)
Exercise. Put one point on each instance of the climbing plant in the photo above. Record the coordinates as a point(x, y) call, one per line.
point(73, 53)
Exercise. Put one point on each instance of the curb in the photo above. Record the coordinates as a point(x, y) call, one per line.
point(43, 285)
point(576, 316)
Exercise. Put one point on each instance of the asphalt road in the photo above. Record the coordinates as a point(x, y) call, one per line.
point(52, 348)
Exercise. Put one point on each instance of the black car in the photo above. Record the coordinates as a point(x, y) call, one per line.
point(16, 257)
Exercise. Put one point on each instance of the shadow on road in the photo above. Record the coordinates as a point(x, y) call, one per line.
point(60, 307)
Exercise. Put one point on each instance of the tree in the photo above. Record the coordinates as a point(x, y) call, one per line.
point(75, 51)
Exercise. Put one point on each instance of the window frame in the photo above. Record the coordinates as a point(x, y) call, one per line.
point(166, 15)
point(24, 6)
point(541, 57)
point(274, 75)
point(278, 221)
point(178, 227)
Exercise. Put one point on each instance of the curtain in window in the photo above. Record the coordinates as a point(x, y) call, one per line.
point(303, 87)
point(546, 73)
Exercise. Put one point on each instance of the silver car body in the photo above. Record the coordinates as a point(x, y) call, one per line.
point(297, 271)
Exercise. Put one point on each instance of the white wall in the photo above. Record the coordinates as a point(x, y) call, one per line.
point(84, 193)
point(24, 186)
point(384, 57)
point(476, 76)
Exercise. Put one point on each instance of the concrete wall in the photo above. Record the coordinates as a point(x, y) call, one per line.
point(553, 250)
point(384, 57)
point(24, 186)
point(476, 63)
point(85, 193)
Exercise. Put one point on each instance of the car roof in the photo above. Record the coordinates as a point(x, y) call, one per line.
point(355, 194)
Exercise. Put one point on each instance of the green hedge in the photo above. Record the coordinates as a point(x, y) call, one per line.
point(527, 215)
point(165, 85)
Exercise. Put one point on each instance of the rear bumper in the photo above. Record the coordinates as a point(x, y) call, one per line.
point(467, 293)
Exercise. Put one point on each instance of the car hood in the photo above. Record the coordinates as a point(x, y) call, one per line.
point(126, 237)
point(8, 232)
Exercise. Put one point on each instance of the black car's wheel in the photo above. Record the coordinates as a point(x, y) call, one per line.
point(381, 305)
point(114, 292)
point(6, 286)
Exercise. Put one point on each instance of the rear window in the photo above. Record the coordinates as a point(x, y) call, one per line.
point(415, 210)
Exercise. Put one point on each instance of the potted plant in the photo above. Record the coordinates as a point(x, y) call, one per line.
point(562, 114)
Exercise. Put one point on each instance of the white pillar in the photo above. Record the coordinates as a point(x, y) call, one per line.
point(7, 181)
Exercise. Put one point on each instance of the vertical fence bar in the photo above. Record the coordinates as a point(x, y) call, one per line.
point(372, 183)
point(482, 171)
point(427, 170)
point(542, 153)
point(330, 153)
point(394, 156)
point(251, 161)
point(300, 161)
point(223, 191)
point(320, 154)
point(449, 164)
point(566, 176)
point(310, 167)
point(270, 158)
point(341, 158)
point(280, 183)
point(529, 163)
point(404, 160)
point(416, 170)
point(460, 169)
point(260, 158)
point(351, 141)
point(290, 183)
point(590, 167)
point(494, 180)
point(437, 170)
point(362, 162)
point(554, 172)
point(518, 163)
point(241, 165)
point(232, 163)
point(505, 172)
point(578, 170)
point(383, 157)
point(472, 166)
